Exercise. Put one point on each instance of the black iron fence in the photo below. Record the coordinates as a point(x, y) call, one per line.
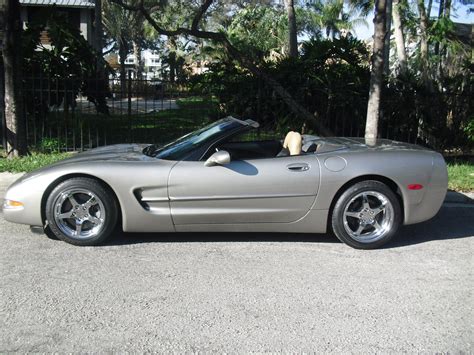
point(73, 114)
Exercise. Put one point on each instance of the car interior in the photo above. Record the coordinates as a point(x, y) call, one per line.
point(243, 147)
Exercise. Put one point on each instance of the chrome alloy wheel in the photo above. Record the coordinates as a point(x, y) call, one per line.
point(79, 213)
point(368, 216)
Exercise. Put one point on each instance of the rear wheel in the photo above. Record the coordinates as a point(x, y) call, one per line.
point(366, 215)
point(81, 211)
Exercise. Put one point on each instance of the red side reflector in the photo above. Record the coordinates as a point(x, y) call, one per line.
point(415, 187)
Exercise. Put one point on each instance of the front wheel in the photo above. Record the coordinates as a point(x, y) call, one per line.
point(81, 211)
point(366, 215)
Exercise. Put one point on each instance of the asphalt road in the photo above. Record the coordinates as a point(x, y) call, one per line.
point(240, 292)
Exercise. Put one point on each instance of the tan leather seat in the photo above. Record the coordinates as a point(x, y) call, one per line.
point(293, 143)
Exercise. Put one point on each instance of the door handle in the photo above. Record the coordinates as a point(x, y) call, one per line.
point(298, 167)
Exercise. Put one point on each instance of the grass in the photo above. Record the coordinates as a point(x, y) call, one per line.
point(30, 162)
point(461, 176)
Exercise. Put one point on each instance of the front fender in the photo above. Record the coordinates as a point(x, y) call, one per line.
point(123, 178)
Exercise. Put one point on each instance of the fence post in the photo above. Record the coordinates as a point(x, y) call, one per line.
point(129, 111)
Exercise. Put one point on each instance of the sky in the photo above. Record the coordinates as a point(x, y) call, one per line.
point(460, 14)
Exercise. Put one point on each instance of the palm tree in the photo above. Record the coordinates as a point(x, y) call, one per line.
point(399, 36)
point(376, 73)
point(117, 24)
point(424, 24)
point(331, 17)
point(292, 31)
point(14, 110)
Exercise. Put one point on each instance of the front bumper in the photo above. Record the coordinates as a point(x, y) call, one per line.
point(28, 193)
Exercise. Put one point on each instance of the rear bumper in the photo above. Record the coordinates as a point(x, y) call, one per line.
point(428, 208)
point(433, 196)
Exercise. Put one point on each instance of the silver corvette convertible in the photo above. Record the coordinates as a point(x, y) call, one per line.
point(220, 179)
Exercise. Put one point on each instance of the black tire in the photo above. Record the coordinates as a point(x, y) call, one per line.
point(81, 211)
point(50, 234)
point(359, 218)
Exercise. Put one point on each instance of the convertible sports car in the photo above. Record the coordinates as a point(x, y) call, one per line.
point(220, 179)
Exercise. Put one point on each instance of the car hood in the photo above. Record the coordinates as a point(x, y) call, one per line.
point(112, 153)
point(118, 152)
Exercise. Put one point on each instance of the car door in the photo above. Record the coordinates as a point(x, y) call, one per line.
point(273, 190)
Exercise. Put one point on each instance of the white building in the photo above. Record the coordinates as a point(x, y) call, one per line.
point(151, 64)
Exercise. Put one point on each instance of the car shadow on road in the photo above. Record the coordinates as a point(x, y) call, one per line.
point(214, 237)
point(450, 223)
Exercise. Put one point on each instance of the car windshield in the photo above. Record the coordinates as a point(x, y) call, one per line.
point(183, 146)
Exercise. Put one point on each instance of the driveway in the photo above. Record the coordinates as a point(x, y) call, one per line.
point(240, 292)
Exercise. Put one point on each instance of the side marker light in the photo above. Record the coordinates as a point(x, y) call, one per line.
point(415, 187)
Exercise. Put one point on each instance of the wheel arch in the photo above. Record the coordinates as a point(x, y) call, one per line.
point(383, 179)
point(63, 178)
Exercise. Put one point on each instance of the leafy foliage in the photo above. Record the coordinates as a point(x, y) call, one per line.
point(69, 59)
point(259, 31)
point(330, 15)
point(30, 162)
point(469, 130)
point(330, 77)
point(51, 145)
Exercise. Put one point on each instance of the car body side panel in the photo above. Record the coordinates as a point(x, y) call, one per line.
point(130, 181)
point(402, 167)
point(313, 222)
point(435, 193)
point(251, 191)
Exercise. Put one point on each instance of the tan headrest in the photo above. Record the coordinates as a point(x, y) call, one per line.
point(293, 143)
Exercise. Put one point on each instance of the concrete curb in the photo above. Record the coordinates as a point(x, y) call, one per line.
point(451, 197)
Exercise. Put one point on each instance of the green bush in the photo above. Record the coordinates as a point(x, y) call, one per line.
point(51, 145)
point(30, 162)
point(331, 80)
point(469, 130)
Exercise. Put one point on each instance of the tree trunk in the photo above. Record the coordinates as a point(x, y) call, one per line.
point(376, 74)
point(2, 99)
point(443, 48)
point(172, 58)
point(172, 64)
point(137, 53)
point(440, 15)
point(388, 31)
point(441, 9)
point(428, 9)
point(98, 44)
point(123, 75)
point(292, 31)
point(399, 38)
point(423, 41)
point(447, 8)
point(14, 108)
